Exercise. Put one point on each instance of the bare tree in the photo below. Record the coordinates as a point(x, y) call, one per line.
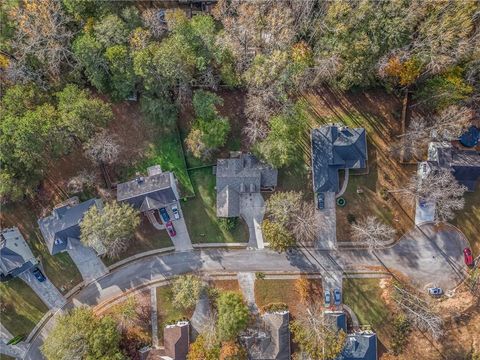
point(154, 20)
point(255, 131)
point(372, 232)
point(419, 312)
point(77, 183)
point(438, 186)
point(451, 122)
point(102, 148)
point(413, 143)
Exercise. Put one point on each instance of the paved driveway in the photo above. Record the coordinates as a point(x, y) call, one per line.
point(181, 241)
point(45, 290)
point(327, 235)
point(252, 209)
point(88, 263)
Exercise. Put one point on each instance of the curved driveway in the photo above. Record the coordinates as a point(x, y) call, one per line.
point(428, 254)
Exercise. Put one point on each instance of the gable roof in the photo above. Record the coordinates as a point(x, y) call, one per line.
point(64, 224)
point(334, 148)
point(360, 346)
point(336, 319)
point(149, 192)
point(243, 174)
point(176, 340)
point(15, 254)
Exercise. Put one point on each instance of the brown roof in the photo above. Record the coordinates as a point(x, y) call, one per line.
point(176, 340)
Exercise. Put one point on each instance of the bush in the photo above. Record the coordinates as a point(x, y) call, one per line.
point(186, 291)
point(260, 275)
point(273, 307)
point(400, 336)
point(228, 224)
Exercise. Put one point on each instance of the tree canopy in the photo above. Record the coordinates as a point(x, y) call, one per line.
point(233, 315)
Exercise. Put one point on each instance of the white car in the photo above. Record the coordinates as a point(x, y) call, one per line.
point(176, 213)
point(435, 291)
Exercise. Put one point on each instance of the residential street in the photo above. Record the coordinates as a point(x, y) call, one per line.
point(425, 256)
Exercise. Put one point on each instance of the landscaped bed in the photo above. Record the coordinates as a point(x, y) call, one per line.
point(20, 308)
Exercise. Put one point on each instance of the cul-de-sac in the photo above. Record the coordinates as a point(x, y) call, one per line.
point(240, 179)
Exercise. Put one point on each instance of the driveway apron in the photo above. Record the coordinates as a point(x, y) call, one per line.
point(87, 261)
point(45, 290)
point(252, 209)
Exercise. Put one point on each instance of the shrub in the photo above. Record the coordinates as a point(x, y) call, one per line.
point(273, 307)
point(400, 336)
point(228, 224)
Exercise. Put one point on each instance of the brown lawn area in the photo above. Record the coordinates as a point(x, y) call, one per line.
point(269, 291)
point(468, 219)
point(226, 285)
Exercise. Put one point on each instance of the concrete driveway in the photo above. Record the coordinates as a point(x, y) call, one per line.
point(181, 241)
point(88, 263)
point(45, 290)
point(252, 209)
point(327, 234)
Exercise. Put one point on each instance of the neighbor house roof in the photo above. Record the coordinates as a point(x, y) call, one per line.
point(149, 192)
point(335, 148)
point(239, 175)
point(274, 342)
point(176, 339)
point(464, 163)
point(360, 346)
point(63, 225)
point(15, 255)
point(336, 319)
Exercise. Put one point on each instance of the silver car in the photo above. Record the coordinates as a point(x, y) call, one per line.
point(176, 213)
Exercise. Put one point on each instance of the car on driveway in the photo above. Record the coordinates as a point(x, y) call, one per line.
point(170, 229)
point(327, 298)
point(38, 275)
point(164, 214)
point(175, 212)
point(321, 201)
point(337, 296)
point(467, 255)
point(435, 291)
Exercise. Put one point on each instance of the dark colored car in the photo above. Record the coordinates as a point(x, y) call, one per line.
point(38, 274)
point(327, 298)
point(171, 229)
point(321, 201)
point(337, 296)
point(164, 214)
point(467, 254)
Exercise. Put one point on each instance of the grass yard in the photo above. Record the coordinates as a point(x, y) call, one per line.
point(468, 219)
point(269, 291)
point(166, 311)
point(21, 309)
point(226, 285)
point(200, 213)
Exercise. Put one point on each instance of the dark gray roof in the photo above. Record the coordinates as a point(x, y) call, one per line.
point(272, 344)
point(15, 255)
point(335, 148)
point(149, 192)
point(64, 224)
point(360, 346)
point(244, 174)
point(336, 319)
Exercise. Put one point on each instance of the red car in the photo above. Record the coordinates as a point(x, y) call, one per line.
point(170, 229)
point(467, 254)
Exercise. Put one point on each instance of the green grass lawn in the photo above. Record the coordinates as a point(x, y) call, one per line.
point(21, 308)
point(166, 311)
point(468, 219)
point(167, 151)
point(200, 212)
point(363, 296)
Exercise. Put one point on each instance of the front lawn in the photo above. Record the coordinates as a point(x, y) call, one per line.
point(21, 309)
point(201, 214)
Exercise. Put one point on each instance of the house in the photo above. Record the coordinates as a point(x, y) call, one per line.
point(149, 193)
point(176, 339)
point(334, 148)
point(464, 163)
point(241, 175)
point(15, 255)
point(61, 230)
point(336, 319)
point(273, 342)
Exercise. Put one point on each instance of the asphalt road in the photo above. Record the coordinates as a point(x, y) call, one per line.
point(429, 255)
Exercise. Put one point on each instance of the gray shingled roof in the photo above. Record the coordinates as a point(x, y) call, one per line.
point(360, 346)
point(149, 192)
point(235, 176)
point(64, 224)
point(335, 148)
point(176, 340)
point(15, 255)
point(336, 319)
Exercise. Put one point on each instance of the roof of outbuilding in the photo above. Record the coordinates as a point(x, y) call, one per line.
point(360, 346)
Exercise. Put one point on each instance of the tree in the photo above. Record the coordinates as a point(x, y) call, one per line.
point(231, 350)
point(316, 336)
point(233, 315)
point(121, 72)
point(277, 236)
point(441, 188)
point(186, 291)
point(125, 313)
point(79, 334)
point(111, 30)
point(370, 231)
point(205, 104)
point(110, 228)
point(159, 110)
point(199, 350)
point(102, 148)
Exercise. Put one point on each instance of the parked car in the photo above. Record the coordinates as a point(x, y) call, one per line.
point(327, 298)
point(164, 214)
point(171, 229)
point(321, 201)
point(337, 296)
point(435, 291)
point(38, 274)
point(467, 255)
point(175, 212)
